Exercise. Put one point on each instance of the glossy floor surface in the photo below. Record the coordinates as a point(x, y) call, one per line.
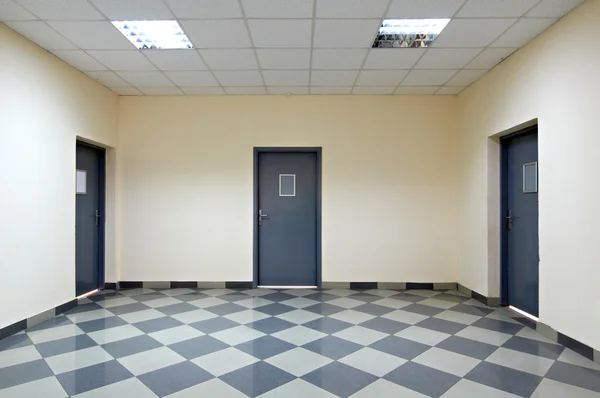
point(189, 343)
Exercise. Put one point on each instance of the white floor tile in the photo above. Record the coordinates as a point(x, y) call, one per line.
point(247, 316)
point(18, 355)
point(141, 316)
point(531, 334)
point(392, 303)
point(484, 335)
point(209, 389)
point(299, 316)
point(424, 293)
point(224, 361)
point(45, 388)
point(521, 361)
point(55, 333)
point(130, 388)
point(382, 292)
point(341, 292)
point(499, 316)
point(467, 389)
point(177, 292)
point(554, 389)
point(162, 302)
point(118, 333)
point(237, 335)
point(405, 317)
point(372, 361)
point(254, 302)
point(150, 360)
point(574, 358)
point(217, 292)
point(458, 317)
point(345, 302)
point(443, 304)
point(78, 359)
point(352, 316)
point(300, 302)
point(298, 361)
point(299, 335)
point(176, 334)
point(298, 389)
point(89, 315)
point(446, 361)
point(383, 389)
point(207, 302)
point(360, 335)
point(116, 302)
point(422, 335)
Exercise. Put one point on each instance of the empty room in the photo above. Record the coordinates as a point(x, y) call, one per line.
point(299, 198)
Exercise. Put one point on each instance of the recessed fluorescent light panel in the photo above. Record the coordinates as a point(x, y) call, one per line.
point(147, 35)
point(409, 33)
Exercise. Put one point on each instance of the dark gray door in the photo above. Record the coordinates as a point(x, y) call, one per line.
point(89, 189)
point(287, 198)
point(522, 249)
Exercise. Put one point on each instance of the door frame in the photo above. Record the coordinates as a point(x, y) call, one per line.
point(504, 209)
point(102, 208)
point(257, 151)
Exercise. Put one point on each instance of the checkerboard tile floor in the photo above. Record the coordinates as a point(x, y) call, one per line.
point(184, 343)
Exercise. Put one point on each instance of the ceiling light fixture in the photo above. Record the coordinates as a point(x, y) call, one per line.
point(409, 33)
point(147, 35)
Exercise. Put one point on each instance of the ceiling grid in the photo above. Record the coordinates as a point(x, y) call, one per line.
point(283, 46)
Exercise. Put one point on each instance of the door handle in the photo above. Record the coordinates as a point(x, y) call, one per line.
point(261, 215)
point(509, 220)
point(97, 217)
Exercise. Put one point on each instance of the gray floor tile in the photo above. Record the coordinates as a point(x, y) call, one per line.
point(422, 335)
point(373, 309)
point(321, 296)
point(324, 309)
point(352, 316)
point(423, 309)
point(83, 308)
point(299, 302)
point(68, 344)
point(367, 298)
point(385, 325)
point(339, 379)
point(554, 389)
point(48, 387)
point(521, 361)
point(298, 361)
point(458, 317)
point(15, 341)
point(484, 335)
point(575, 375)
point(50, 323)
point(194, 348)
point(233, 297)
point(150, 296)
point(192, 297)
point(452, 297)
point(174, 378)
point(471, 348)
point(128, 308)
point(214, 325)
point(423, 379)
point(154, 325)
point(225, 361)
point(177, 308)
point(413, 298)
point(469, 389)
point(275, 308)
point(333, 347)
point(441, 325)
point(373, 361)
point(226, 309)
point(384, 389)
point(547, 350)
point(327, 325)
point(400, 347)
point(505, 379)
point(212, 388)
point(74, 360)
point(129, 388)
point(130, 346)
point(472, 310)
point(92, 377)
point(102, 323)
point(405, 317)
point(278, 296)
point(271, 325)
point(346, 302)
point(298, 389)
point(570, 356)
point(256, 379)
point(24, 373)
point(265, 347)
point(142, 316)
point(498, 326)
point(299, 316)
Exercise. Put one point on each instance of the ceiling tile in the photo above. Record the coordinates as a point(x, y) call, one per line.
point(495, 8)
point(428, 77)
point(230, 59)
point(283, 33)
point(191, 78)
point(450, 90)
point(345, 33)
point(472, 32)
point(109, 79)
point(203, 9)
point(286, 77)
point(99, 35)
point(11, 11)
point(465, 78)
point(146, 79)
point(424, 8)
point(523, 31)
point(62, 10)
point(333, 77)
point(217, 33)
point(490, 57)
point(287, 90)
point(373, 90)
point(202, 90)
point(245, 90)
point(422, 90)
point(338, 59)
point(79, 59)
point(351, 8)
point(283, 59)
point(122, 60)
point(553, 8)
point(331, 90)
point(175, 59)
point(133, 10)
point(380, 77)
point(445, 58)
point(126, 91)
point(161, 90)
point(278, 8)
point(42, 34)
point(393, 58)
point(239, 78)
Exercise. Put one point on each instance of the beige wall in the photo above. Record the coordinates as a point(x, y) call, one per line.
point(44, 105)
point(389, 180)
point(554, 79)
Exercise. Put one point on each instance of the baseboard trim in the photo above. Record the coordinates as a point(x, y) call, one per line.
point(36, 319)
point(489, 301)
point(178, 285)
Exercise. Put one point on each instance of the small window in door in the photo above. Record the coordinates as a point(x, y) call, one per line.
point(81, 182)
point(530, 178)
point(287, 184)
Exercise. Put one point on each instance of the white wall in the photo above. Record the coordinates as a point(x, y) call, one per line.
point(389, 184)
point(555, 79)
point(44, 105)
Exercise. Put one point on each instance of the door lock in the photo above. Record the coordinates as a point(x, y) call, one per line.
point(509, 220)
point(261, 215)
point(97, 217)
